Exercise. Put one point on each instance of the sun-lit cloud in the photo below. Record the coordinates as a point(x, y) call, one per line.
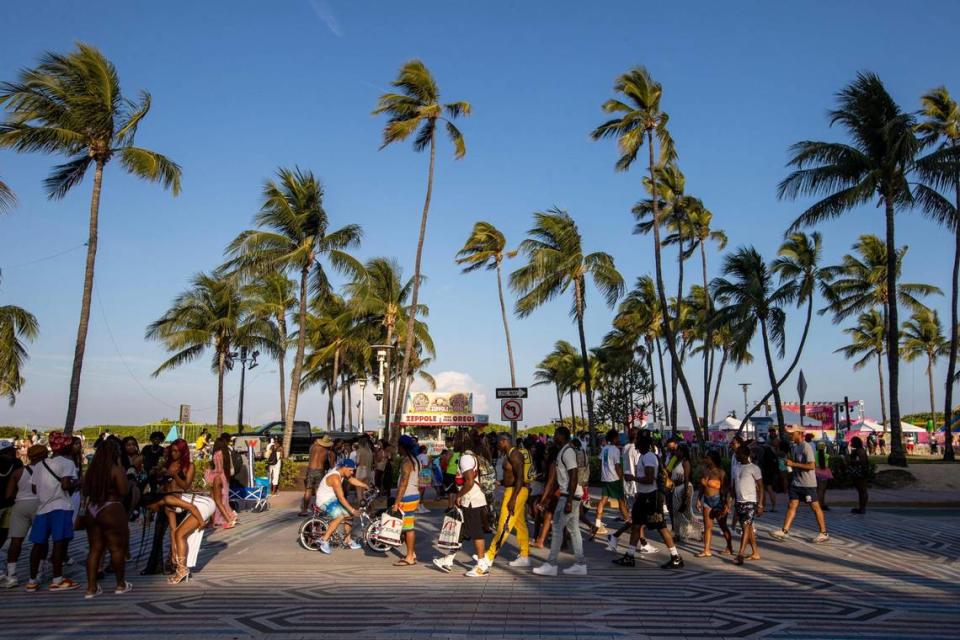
point(325, 13)
point(450, 381)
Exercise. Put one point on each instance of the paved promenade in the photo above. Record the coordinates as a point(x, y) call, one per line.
point(891, 574)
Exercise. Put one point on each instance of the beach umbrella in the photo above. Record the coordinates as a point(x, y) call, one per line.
point(172, 435)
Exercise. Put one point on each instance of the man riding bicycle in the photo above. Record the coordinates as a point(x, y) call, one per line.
point(332, 501)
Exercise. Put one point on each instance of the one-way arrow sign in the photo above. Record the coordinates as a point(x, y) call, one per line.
point(511, 392)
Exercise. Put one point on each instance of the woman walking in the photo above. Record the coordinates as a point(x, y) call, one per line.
point(274, 463)
point(824, 474)
point(104, 489)
point(548, 500)
point(217, 477)
point(681, 496)
point(858, 466)
point(713, 501)
point(408, 496)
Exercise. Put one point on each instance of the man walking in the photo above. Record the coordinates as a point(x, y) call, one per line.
point(513, 508)
point(611, 475)
point(54, 481)
point(321, 460)
point(801, 466)
point(749, 503)
point(648, 507)
point(567, 514)
point(472, 504)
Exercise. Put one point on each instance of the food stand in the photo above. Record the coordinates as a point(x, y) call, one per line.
point(430, 416)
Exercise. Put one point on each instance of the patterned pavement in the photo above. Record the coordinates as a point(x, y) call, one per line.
point(891, 574)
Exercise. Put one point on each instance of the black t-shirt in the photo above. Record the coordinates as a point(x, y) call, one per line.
point(7, 469)
point(151, 457)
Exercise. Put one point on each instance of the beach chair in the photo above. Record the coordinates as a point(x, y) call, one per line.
point(253, 499)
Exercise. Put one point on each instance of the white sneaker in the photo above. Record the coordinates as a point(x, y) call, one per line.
point(325, 547)
point(9, 582)
point(521, 562)
point(821, 537)
point(648, 548)
point(611, 542)
point(575, 570)
point(779, 534)
point(478, 571)
point(443, 566)
point(546, 569)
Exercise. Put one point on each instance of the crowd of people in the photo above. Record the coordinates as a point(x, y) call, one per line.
point(542, 486)
point(52, 489)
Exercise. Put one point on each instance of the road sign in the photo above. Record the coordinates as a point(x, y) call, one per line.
point(511, 392)
point(184, 414)
point(511, 410)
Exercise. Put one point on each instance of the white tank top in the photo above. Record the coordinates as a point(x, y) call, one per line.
point(24, 490)
point(325, 492)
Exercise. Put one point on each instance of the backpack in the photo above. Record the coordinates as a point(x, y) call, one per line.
point(583, 465)
point(486, 474)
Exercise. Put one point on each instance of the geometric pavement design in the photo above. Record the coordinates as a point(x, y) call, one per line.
point(894, 573)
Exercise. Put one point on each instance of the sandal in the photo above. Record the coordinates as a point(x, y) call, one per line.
point(126, 588)
point(91, 596)
point(403, 562)
point(703, 554)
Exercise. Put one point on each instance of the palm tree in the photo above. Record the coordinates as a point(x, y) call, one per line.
point(17, 325)
point(754, 301)
point(417, 108)
point(212, 314)
point(557, 264)
point(272, 297)
point(486, 247)
point(868, 339)
point(875, 166)
point(798, 261)
point(923, 336)
point(7, 198)
point(941, 127)
point(293, 236)
point(548, 372)
point(638, 119)
point(72, 104)
point(638, 319)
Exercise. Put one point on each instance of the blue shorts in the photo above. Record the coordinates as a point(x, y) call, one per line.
point(333, 510)
point(54, 524)
point(803, 494)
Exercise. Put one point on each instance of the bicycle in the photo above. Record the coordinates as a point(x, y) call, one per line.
point(366, 528)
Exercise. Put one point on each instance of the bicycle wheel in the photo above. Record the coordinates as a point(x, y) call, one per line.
point(310, 533)
point(371, 536)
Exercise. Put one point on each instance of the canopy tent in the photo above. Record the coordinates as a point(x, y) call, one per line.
point(727, 424)
point(872, 425)
point(793, 418)
point(172, 435)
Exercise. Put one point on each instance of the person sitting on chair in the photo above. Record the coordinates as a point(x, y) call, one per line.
point(332, 501)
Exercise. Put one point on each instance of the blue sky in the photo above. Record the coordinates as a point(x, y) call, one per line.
point(241, 88)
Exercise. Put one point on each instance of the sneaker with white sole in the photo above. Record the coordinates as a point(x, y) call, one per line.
point(546, 569)
point(64, 585)
point(354, 545)
point(611, 542)
point(443, 566)
point(91, 596)
point(325, 547)
point(32, 585)
point(9, 582)
point(779, 534)
point(126, 588)
point(821, 537)
point(575, 570)
point(478, 571)
point(521, 562)
point(647, 548)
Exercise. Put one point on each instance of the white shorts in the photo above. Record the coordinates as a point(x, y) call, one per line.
point(21, 517)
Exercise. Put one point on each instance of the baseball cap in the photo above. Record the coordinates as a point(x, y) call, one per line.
point(407, 442)
point(58, 440)
point(347, 464)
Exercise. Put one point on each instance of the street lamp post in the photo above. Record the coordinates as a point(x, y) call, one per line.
point(384, 352)
point(363, 385)
point(746, 407)
point(242, 357)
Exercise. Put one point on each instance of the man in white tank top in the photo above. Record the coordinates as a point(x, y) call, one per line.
point(332, 500)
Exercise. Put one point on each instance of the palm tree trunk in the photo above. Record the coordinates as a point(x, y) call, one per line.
point(297, 366)
point(573, 414)
point(883, 399)
point(506, 332)
point(933, 408)
point(773, 380)
point(793, 365)
point(663, 378)
point(661, 292)
point(716, 393)
point(948, 453)
point(343, 408)
point(281, 362)
point(559, 403)
point(653, 378)
point(221, 365)
point(708, 334)
point(350, 406)
point(390, 320)
point(415, 292)
point(81, 344)
point(580, 304)
point(897, 456)
point(332, 412)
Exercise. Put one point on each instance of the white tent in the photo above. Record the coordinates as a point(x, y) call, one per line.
point(727, 424)
point(873, 425)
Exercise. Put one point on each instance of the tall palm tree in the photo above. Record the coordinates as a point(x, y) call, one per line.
point(798, 261)
point(753, 301)
point(941, 127)
point(272, 295)
point(875, 166)
point(17, 325)
point(417, 109)
point(213, 314)
point(923, 336)
point(638, 119)
point(868, 339)
point(486, 247)
point(72, 105)
point(548, 372)
point(638, 319)
point(293, 236)
point(557, 264)
point(7, 198)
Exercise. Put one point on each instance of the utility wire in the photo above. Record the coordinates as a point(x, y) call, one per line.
point(45, 258)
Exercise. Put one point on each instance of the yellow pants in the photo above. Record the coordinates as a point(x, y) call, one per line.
point(509, 523)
